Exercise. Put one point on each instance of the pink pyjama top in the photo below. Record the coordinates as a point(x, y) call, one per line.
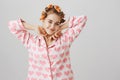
point(52, 62)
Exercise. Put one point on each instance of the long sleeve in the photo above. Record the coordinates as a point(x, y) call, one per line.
point(76, 24)
point(16, 27)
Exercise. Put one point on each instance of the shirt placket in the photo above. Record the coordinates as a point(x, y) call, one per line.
point(48, 55)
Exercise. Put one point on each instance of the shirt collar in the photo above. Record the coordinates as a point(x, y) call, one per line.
point(43, 43)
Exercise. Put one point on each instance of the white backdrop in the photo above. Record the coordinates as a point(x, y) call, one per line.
point(95, 54)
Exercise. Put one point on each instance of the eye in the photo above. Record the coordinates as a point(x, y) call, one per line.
point(50, 22)
point(58, 23)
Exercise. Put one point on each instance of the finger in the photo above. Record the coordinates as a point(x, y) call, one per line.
point(43, 32)
point(58, 34)
point(37, 30)
point(68, 19)
point(54, 37)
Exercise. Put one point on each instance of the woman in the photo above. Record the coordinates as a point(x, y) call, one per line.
point(49, 56)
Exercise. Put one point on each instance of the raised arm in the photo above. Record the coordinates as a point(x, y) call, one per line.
point(74, 26)
point(28, 26)
point(37, 28)
point(65, 25)
point(19, 29)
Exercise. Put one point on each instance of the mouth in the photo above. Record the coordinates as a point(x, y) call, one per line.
point(50, 31)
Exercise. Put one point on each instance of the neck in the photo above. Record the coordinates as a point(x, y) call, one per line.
point(49, 38)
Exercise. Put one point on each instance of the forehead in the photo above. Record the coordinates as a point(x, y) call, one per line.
point(53, 17)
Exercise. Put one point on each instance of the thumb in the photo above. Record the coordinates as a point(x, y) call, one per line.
point(42, 31)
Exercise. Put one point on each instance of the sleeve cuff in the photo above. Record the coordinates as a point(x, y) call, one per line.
point(21, 24)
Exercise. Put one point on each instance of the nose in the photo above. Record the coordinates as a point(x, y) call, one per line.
point(52, 27)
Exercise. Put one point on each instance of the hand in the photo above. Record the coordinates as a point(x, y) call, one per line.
point(65, 24)
point(41, 31)
point(56, 35)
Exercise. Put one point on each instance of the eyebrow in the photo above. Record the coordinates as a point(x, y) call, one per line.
point(55, 22)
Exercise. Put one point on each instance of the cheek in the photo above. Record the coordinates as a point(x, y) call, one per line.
point(46, 25)
point(57, 28)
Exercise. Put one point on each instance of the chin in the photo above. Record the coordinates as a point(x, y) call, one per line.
point(50, 32)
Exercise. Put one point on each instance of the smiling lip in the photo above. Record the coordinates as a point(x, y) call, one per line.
point(51, 30)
